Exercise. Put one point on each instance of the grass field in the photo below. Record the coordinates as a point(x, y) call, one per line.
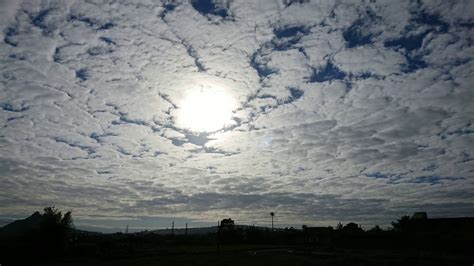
point(266, 255)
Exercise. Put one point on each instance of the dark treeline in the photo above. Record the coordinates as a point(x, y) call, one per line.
point(51, 238)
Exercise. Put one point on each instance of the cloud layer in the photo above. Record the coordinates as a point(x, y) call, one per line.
point(346, 111)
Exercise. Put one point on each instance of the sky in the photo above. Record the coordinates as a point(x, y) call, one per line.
point(142, 113)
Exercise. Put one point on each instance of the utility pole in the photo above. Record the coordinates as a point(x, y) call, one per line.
point(126, 229)
point(172, 228)
point(218, 236)
point(273, 215)
point(186, 230)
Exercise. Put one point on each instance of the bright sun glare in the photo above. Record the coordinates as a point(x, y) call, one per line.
point(206, 110)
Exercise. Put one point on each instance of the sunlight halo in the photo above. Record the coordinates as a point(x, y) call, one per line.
point(206, 109)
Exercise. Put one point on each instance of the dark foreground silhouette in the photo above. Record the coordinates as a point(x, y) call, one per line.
point(50, 239)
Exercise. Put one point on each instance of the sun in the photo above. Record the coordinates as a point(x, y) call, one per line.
point(206, 109)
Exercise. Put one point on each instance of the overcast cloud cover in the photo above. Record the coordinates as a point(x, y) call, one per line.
point(347, 111)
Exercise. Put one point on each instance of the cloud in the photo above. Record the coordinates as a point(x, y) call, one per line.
point(345, 110)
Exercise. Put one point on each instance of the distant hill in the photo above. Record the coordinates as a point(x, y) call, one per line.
point(19, 227)
point(182, 231)
point(203, 230)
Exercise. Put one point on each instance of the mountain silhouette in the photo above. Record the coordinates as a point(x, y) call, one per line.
point(20, 227)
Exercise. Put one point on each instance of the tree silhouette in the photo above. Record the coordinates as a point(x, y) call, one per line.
point(376, 229)
point(227, 232)
point(55, 229)
point(352, 228)
point(53, 218)
point(402, 224)
point(227, 224)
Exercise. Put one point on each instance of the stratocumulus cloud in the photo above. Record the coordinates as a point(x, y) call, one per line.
point(346, 110)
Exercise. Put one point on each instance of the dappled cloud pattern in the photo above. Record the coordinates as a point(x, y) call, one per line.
point(343, 110)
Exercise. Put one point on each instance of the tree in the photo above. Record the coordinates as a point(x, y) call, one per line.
point(53, 218)
point(352, 228)
point(227, 223)
point(227, 231)
point(376, 229)
point(402, 224)
point(55, 228)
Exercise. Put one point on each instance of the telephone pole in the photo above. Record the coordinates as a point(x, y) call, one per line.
point(273, 215)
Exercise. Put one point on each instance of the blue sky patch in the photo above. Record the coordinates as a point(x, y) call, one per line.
point(38, 20)
point(357, 35)
point(92, 22)
point(209, 7)
point(464, 130)
point(168, 7)
point(108, 40)
point(262, 69)
point(433, 20)
point(82, 74)
point(328, 73)
point(11, 108)
point(10, 32)
point(296, 93)
point(433, 180)
point(413, 63)
point(408, 43)
point(287, 32)
point(286, 37)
